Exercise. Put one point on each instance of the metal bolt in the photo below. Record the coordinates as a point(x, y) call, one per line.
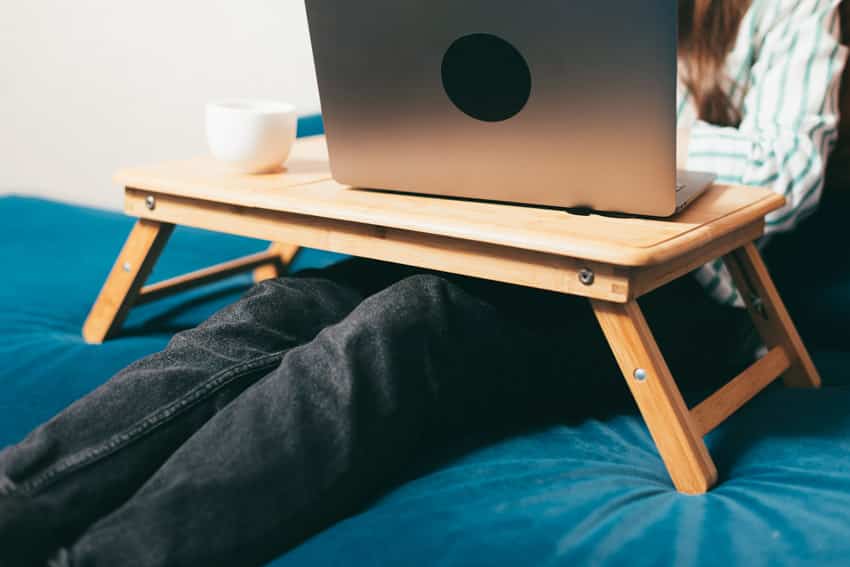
point(640, 374)
point(758, 305)
point(150, 202)
point(127, 266)
point(586, 276)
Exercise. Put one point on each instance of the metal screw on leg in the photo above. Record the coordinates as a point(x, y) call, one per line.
point(150, 202)
point(127, 266)
point(640, 375)
point(758, 305)
point(586, 276)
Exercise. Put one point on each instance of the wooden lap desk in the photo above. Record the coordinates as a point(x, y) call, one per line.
point(611, 261)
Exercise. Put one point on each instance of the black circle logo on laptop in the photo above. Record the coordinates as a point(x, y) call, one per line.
point(486, 77)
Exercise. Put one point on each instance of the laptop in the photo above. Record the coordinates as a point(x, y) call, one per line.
point(550, 103)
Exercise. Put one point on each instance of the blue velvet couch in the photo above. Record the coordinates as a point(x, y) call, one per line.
point(586, 492)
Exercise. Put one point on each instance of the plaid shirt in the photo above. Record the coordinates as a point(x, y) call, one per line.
point(783, 76)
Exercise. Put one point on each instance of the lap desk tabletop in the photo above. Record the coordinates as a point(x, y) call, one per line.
point(610, 259)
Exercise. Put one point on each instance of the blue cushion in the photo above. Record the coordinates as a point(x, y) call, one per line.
point(591, 492)
point(597, 493)
point(55, 258)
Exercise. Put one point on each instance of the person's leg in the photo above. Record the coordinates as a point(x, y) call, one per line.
point(95, 454)
point(328, 429)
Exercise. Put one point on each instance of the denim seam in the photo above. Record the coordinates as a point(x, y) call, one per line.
point(147, 424)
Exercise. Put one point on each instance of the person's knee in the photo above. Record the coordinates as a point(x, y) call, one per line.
point(405, 330)
point(424, 288)
point(277, 301)
point(423, 297)
point(417, 308)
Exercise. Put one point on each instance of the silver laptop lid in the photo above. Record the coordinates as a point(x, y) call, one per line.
point(568, 104)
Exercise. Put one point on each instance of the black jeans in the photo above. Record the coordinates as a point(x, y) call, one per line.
point(296, 405)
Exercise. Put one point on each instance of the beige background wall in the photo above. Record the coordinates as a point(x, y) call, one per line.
point(91, 85)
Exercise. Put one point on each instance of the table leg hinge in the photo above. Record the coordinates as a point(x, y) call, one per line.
point(757, 305)
point(586, 276)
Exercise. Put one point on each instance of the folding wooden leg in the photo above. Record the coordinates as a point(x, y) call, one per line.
point(770, 316)
point(131, 269)
point(671, 425)
point(286, 253)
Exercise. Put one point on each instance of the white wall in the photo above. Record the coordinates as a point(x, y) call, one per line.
point(87, 86)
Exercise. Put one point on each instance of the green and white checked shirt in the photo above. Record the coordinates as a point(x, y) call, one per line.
point(783, 75)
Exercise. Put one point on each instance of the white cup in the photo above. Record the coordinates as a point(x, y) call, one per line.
point(251, 136)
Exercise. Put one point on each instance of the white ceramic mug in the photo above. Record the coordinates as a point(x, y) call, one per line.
point(252, 136)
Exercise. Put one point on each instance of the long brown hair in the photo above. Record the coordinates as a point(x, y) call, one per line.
point(707, 33)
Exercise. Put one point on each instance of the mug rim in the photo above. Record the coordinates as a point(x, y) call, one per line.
point(252, 106)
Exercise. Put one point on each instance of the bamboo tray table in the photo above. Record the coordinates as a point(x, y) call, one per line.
point(612, 261)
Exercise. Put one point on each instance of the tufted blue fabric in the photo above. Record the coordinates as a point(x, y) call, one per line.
point(591, 490)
